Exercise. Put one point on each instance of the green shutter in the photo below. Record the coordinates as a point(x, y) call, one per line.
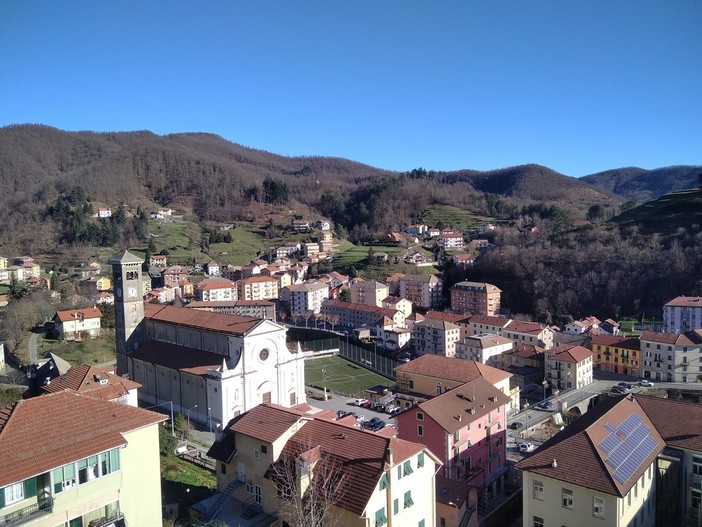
point(396, 505)
point(30, 488)
point(57, 475)
point(421, 524)
point(114, 459)
point(420, 459)
point(2, 498)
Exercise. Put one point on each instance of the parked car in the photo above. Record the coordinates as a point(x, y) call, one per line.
point(340, 414)
point(527, 447)
point(645, 382)
point(392, 410)
point(618, 390)
point(379, 425)
point(516, 425)
point(366, 404)
point(546, 405)
point(360, 402)
point(625, 385)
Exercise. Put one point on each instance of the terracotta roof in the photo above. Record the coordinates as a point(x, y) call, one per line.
point(521, 326)
point(678, 422)
point(451, 491)
point(528, 351)
point(451, 317)
point(488, 340)
point(630, 343)
point(490, 321)
point(380, 311)
point(228, 303)
point(218, 322)
point(86, 378)
point(433, 323)
point(75, 314)
point(428, 278)
point(256, 280)
point(266, 422)
point(685, 301)
point(178, 358)
point(669, 338)
point(588, 468)
point(75, 426)
point(453, 369)
point(215, 283)
point(570, 354)
point(452, 409)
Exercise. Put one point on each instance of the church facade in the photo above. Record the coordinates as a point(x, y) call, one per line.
point(209, 366)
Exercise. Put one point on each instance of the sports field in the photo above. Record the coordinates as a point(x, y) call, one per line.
point(341, 376)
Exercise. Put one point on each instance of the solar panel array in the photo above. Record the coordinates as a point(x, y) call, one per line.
point(627, 447)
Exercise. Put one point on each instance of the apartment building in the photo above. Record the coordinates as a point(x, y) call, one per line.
point(78, 323)
point(568, 367)
point(353, 315)
point(216, 290)
point(476, 298)
point(99, 468)
point(369, 292)
point(671, 357)
point(486, 348)
point(257, 288)
point(435, 337)
point(273, 458)
point(617, 354)
point(682, 314)
point(305, 298)
point(424, 290)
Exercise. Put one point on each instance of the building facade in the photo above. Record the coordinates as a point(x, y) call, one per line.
point(476, 298)
point(682, 314)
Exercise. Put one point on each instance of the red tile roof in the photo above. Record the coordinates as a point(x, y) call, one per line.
point(616, 342)
point(40, 434)
point(678, 422)
point(685, 301)
point(215, 283)
point(453, 369)
point(489, 320)
point(85, 378)
point(574, 354)
point(75, 314)
point(521, 326)
point(588, 468)
point(444, 315)
point(218, 322)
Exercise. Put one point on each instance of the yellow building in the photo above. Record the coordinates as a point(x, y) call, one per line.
point(76, 461)
point(617, 354)
point(103, 284)
point(272, 459)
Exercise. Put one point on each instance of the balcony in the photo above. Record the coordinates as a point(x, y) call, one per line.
point(695, 480)
point(472, 473)
point(42, 506)
point(117, 520)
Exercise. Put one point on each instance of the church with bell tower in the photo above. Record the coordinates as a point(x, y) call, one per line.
point(211, 366)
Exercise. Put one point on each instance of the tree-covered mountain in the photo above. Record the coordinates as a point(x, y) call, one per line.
point(641, 185)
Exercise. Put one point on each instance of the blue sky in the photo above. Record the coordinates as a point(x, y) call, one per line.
point(577, 86)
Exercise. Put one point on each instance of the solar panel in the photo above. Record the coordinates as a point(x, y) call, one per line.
point(627, 447)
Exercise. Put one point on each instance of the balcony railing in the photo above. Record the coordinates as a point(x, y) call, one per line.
point(117, 520)
point(45, 504)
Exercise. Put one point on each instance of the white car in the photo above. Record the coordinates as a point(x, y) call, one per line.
point(360, 402)
point(645, 382)
point(527, 447)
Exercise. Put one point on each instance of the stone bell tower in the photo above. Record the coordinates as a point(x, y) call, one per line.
point(129, 304)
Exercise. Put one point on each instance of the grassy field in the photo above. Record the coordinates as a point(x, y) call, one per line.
point(184, 482)
point(91, 351)
point(679, 209)
point(454, 217)
point(341, 376)
point(358, 257)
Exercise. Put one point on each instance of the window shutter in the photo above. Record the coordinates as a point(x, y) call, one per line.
point(2, 498)
point(30, 488)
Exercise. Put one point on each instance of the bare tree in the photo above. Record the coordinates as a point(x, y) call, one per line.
point(310, 485)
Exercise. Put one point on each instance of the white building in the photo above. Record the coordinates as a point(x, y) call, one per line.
point(305, 298)
point(569, 367)
point(486, 348)
point(682, 314)
point(671, 357)
point(216, 290)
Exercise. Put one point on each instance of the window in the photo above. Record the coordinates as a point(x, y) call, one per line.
point(383, 482)
point(257, 453)
point(456, 436)
point(264, 449)
point(598, 507)
point(14, 493)
point(420, 460)
point(567, 498)
point(411, 384)
point(538, 490)
point(380, 518)
point(420, 416)
point(538, 522)
point(408, 499)
point(223, 468)
point(420, 430)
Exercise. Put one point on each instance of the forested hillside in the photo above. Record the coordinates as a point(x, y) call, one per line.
point(222, 181)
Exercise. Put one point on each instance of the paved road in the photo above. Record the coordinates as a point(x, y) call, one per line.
point(32, 345)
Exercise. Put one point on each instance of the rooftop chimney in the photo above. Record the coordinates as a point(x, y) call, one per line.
point(554, 463)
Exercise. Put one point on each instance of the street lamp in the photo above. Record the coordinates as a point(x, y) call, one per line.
point(189, 415)
point(161, 404)
point(324, 382)
point(456, 506)
point(545, 383)
point(209, 419)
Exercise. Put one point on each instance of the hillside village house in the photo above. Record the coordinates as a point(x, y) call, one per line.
point(671, 357)
point(214, 365)
point(682, 314)
point(463, 260)
point(216, 290)
point(398, 303)
point(435, 337)
point(569, 367)
point(477, 298)
point(578, 327)
point(422, 290)
point(158, 260)
point(452, 241)
point(484, 348)
point(617, 354)
point(73, 324)
point(521, 332)
point(102, 467)
point(638, 463)
point(104, 212)
point(272, 456)
point(466, 428)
